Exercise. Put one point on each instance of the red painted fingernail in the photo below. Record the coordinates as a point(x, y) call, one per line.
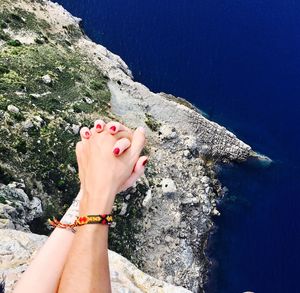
point(113, 128)
point(145, 162)
point(87, 134)
point(116, 151)
point(98, 126)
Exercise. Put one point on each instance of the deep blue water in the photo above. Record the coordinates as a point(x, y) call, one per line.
point(239, 61)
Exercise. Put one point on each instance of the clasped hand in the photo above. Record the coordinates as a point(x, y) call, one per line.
point(109, 162)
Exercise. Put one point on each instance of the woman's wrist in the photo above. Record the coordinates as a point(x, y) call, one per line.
point(73, 211)
point(94, 204)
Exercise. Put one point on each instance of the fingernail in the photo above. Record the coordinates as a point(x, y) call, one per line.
point(145, 162)
point(113, 128)
point(116, 151)
point(141, 128)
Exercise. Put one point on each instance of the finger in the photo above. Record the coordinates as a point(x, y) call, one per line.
point(85, 133)
point(79, 157)
point(121, 145)
point(122, 134)
point(93, 132)
point(114, 127)
point(140, 164)
point(99, 125)
point(138, 171)
point(138, 142)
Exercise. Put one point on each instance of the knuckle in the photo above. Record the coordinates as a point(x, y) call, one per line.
point(127, 140)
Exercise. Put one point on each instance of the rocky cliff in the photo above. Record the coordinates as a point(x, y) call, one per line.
point(18, 248)
point(53, 80)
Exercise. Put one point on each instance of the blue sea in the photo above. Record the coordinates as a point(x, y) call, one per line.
point(238, 61)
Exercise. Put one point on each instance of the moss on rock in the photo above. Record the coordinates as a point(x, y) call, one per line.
point(20, 19)
point(153, 124)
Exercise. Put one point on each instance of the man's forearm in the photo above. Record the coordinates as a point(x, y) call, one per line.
point(87, 268)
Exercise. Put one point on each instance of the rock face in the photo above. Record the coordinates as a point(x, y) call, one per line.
point(16, 209)
point(18, 248)
point(53, 80)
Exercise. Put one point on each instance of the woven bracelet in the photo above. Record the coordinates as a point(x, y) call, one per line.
point(105, 219)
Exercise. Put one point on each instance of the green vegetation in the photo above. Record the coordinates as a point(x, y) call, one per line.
point(54, 88)
point(14, 43)
point(38, 143)
point(151, 122)
point(181, 101)
point(20, 19)
point(122, 238)
point(73, 31)
point(23, 67)
point(4, 36)
point(2, 200)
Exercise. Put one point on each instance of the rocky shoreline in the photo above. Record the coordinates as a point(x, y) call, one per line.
point(73, 82)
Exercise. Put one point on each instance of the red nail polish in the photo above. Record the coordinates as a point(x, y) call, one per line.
point(113, 128)
point(98, 126)
point(144, 163)
point(116, 151)
point(87, 134)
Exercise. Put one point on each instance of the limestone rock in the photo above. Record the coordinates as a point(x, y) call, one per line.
point(27, 124)
point(167, 132)
point(46, 79)
point(18, 248)
point(75, 128)
point(205, 180)
point(16, 209)
point(148, 199)
point(13, 109)
point(168, 186)
point(123, 209)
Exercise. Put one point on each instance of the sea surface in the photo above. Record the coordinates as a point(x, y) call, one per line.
point(239, 61)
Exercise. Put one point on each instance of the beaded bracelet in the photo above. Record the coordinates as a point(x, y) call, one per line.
point(105, 219)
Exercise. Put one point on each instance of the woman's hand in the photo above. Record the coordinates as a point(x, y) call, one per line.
point(109, 162)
